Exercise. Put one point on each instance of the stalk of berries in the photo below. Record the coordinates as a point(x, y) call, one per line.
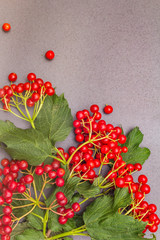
point(24, 95)
point(100, 145)
point(14, 184)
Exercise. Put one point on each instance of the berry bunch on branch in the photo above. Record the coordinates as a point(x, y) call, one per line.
point(43, 187)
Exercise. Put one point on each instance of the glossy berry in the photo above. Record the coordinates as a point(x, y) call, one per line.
point(59, 182)
point(60, 172)
point(50, 55)
point(145, 188)
point(39, 170)
point(120, 182)
point(76, 207)
point(12, 77)
point(28, 179)
point(108, 109)
point(94, 108)
point(7, 210)
point(31, 77)
point(6, 27)
point(60, 196)
point(69, 213)
point(142, 179)
point(62, 219)
point(4, 162)
point(50, 91)
point(55, 164)
point(6, 220)
point(137, 166)
point(23, 165)
point(52, 174)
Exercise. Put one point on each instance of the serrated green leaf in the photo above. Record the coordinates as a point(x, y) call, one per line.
point(19, 206)
point(29, 234)
point(75, 197)
point(88, 190)
point(122, 198)
point(19, 229)
point(28, 144)
point(135, 153)
point(35, 221)
point(55, 119)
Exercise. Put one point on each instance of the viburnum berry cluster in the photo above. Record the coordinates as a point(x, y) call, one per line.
point(17, 180)
point(24, 95)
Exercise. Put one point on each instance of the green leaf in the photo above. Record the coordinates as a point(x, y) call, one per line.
point(35, 221)
point(98, 180)
point(55, 119)
point(68, 238)
point(122, 198)
point(103, 216)
point(135, 153)
point(88, 190)
point(19, 229)
point(29, 234)
point(28, 144)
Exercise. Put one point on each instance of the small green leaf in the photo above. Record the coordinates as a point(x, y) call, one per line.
point(29, 234)
point(98, 180)
point(36, 221)
point(19, 229)
point(28, 144)
point(55, 119)
point(88, 190)
point(135, 153)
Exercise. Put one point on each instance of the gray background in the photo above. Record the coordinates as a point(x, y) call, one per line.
point(107, 51)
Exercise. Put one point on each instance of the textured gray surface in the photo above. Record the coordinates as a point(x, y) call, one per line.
point(107, 51)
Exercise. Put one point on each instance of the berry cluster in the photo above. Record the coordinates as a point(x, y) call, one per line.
point(17, 178)
point(65, 213)
point(29, 94)
point(98, 143)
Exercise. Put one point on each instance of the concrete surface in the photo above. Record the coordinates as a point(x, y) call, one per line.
point(107, 51)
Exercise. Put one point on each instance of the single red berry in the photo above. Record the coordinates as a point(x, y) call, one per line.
point(79, 137)
point(105, 149)
point(153, 228)
point(7, 193)
point(39, 81)
point(120, 182)
point(124, 149)
point(153, 217)
point(48, 168)
point(52, 174)
point(80, 115)
point(142, 179)
point(14, 168)
point(108, 109)
point(60, 196)
point(23, 165)
point(4, 162)
point(12, 185)
point(7, 210)
point(50, 55)
point(48, 84)
point(130, 167)
point(8, 200)
point(35, 97)
point(94, 108)
point(145, 188)
point(31, 77)
point(19, 88)
point(1, 200)
point(139, 195)
point(6, 27)
point(55, 164)
point(61, 210)
point(60, 172)
point(28, 179)
point(2, 92)
point(12, 77)
point(69, 213)
point(7, 229)
point(122, 139)
point(62, 220)
point(63, 202)
point(30, 102)
point(137, 166)
point(76, 207)
point(6, 220)
point(152, 208)
point(39, 170)
point(50, 91)
point(59, 182)
point(21, 188)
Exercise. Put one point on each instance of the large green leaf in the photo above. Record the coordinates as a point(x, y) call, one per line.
point(103, 222)
point(135, 153)
point(29, 234)
point(55, 119)
point(88, 190)
point(19, 229)
point(28, 144)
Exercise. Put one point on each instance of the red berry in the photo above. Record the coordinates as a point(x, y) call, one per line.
point(28, 179)
point(5, 237)
point(60, 196)
point(55, 164)
point(1, 200)
point(30, 102)
point(142, 179)
point(137, 166)
point(50, 55)
point(124, 149)
point(105, 149)
point(34, 86)
point(21, 188)
point(6, 27)
point(63, 202)
point(60, 172)
point(52, 174)
point(62, 219)
point(120, 182)
point(31, 77)
point(50, 91)
point(69, 213)
point(59, 182)
point(6, 220)
point(153, 228)
point(152, 208)
point(7, 229)
point(12, 77)
point(79, 137)
point(153, 217)
point(7, 210)
point(39, 170)
point(47, 84)
point(94, 108)
point(139, 195)
point(23, 165)
point(7, 193)
point(4, 162)
point(122, 139)
point(76, 207)
point(12, 185)
point(80, 115)
point(145, 188)
point(14, 168)
point(47, 168)
point(35, 97)
point(61, 210)
point(108, 109)
point(2, 92)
